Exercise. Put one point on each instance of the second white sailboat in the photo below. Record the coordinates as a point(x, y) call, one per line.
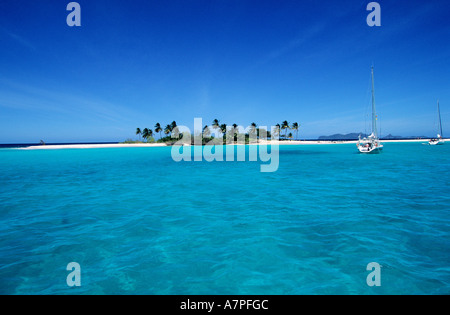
point(439, 140)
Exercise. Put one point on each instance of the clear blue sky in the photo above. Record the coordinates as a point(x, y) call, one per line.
point(134, 63)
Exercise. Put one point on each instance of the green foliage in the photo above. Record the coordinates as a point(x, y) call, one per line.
point(165, 139)
point(129, 141)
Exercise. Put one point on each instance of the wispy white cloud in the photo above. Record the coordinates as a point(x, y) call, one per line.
point(30, 98)
point(301, 39)
point(19, 39)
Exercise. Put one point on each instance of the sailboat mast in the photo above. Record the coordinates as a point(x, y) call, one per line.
point(374, 115)
point(440, 123)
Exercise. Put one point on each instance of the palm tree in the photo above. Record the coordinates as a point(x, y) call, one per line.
point(290, 135)
point(173, 129)
point(150, 134)
point(215, 123)
point(295, 127)
point(138, 132)
point(276, 131)
point(253, 130)
point(206, 132)
point(235, 132)
point(158, 129)
point(285, 126)
point(145, 133)
point(168, 129)
point(223, 128)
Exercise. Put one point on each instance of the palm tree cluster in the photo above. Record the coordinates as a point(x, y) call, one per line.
point(172, 132)
point(253, 130)
point(146, 133)
point(285, 126)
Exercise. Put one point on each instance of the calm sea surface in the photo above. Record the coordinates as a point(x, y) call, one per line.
point(139, 223)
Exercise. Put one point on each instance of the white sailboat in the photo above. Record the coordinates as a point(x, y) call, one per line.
point(371, 144)
point(439, 140)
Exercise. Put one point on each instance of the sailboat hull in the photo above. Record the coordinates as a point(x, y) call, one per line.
point(439, 142)
point(373, 150)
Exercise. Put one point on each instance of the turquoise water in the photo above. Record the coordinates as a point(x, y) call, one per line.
point(139, 223)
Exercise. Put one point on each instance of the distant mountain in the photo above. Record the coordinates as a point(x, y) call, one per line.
point(348, 136)
point(391, 137)
point(355, 136)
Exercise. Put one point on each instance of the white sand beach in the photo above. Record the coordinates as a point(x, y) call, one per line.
point(146, 145)
point(93, 146)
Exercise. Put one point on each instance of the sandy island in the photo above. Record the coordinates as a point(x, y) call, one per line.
point(146, 145)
